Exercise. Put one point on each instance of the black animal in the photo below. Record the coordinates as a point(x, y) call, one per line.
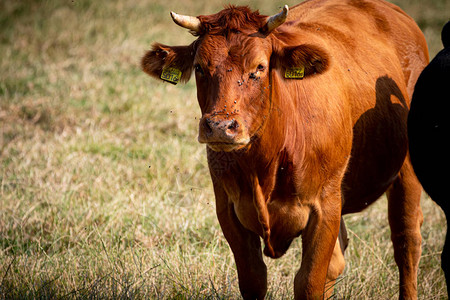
point(429, 134)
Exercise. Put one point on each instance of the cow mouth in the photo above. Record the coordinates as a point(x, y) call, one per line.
point(226, 147)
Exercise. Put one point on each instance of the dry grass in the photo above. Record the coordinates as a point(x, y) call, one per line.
point(104, 191)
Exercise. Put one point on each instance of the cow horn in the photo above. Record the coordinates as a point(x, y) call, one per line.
point(188, 22)
point(277, 19)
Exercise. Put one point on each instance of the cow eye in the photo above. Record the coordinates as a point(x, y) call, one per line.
point(261, 68)
point(198, 69)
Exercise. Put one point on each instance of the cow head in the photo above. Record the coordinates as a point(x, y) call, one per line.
point(234, 58)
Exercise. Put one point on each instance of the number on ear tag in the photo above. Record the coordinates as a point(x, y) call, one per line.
point(171, 75)
point(295, 73)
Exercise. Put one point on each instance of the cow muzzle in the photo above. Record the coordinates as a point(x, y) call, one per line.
point(223, 133)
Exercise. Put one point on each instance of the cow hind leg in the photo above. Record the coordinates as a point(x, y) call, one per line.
point(337, 263)
point(405, 220)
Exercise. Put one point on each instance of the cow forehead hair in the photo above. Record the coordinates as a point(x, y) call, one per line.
point(235, 50)
point(232, 19)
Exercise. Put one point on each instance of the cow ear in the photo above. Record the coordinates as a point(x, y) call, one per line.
point(162, 57)
point(311, 58)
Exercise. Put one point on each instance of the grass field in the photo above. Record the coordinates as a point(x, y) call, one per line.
point(104, 190)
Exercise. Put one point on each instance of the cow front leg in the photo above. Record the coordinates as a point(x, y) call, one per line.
point(246, 248)
point(405, 220)
point(319, 241)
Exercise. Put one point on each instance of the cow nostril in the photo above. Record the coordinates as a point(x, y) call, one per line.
point(232, 128)
point(233, 125)
point(207, 126)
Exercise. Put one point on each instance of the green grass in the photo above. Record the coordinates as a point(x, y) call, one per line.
point(104, 190)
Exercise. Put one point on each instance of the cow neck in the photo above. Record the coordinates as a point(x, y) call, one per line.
point(271, 137)
point(265, 146)
point(262, 162)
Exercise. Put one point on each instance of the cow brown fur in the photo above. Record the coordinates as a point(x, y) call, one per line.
point(288, 157)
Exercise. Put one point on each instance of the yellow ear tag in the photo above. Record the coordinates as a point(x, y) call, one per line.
point(295, 73)
point(171, 75)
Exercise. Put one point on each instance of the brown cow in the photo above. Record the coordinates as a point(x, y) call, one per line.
point(304, 118)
